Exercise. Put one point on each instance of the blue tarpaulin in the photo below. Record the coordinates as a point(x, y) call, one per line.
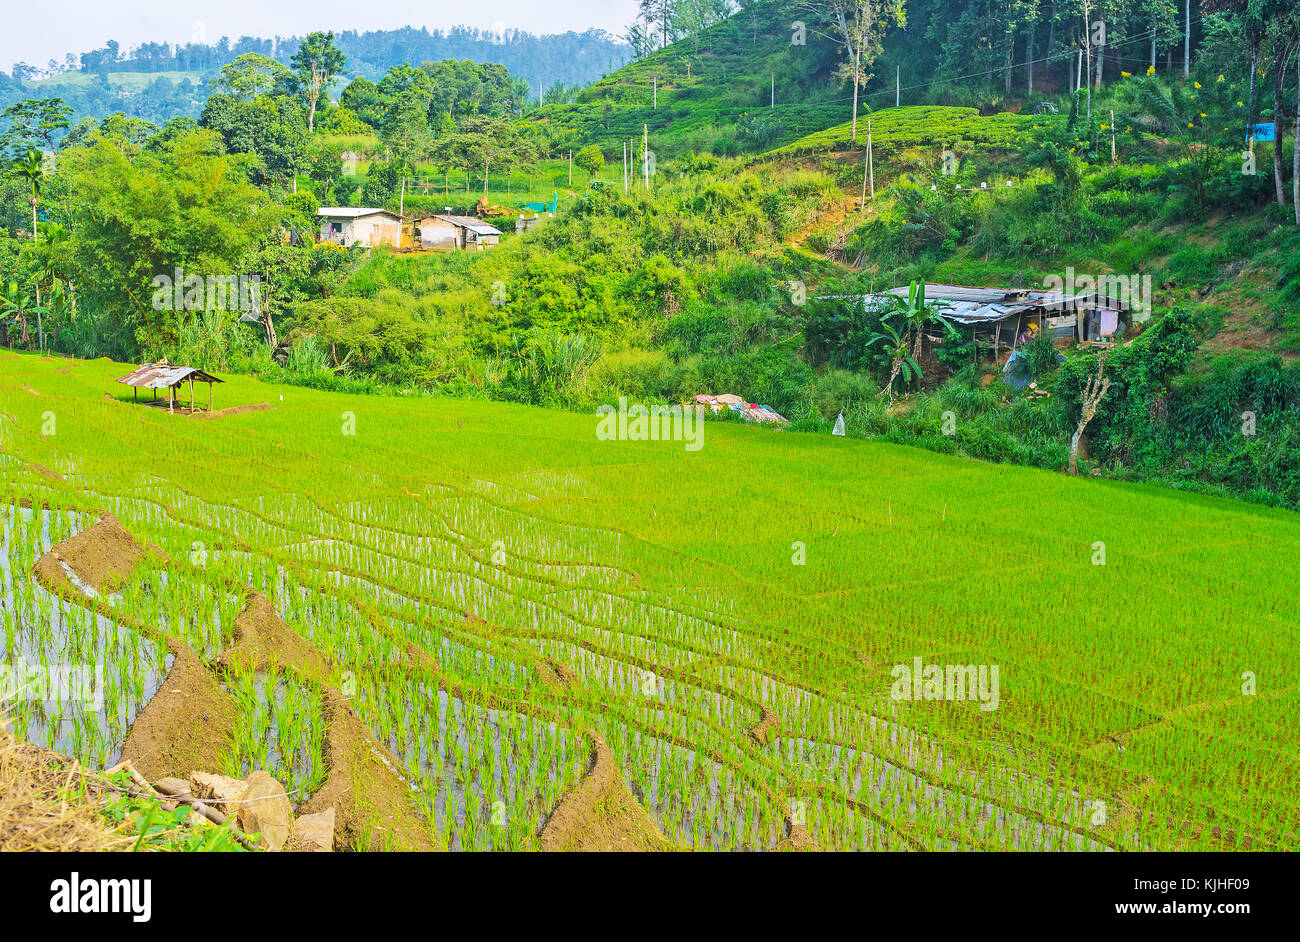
point(1265, 132)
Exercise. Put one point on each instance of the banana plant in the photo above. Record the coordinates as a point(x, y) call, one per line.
point(18, 306)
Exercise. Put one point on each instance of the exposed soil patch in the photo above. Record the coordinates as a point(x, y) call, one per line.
point(102, 556)
point(798, 840)
point(372, 805)
point(185, 726)
point(265, 643)
point(555, 674)
point(601, 814)
point(236, 410)
point(766, 727)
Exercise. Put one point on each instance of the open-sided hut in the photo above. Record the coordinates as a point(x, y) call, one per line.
point(163, 375)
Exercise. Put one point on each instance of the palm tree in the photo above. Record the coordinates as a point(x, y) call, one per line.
point(520, 93)
point(914, 315)
point(31, 167)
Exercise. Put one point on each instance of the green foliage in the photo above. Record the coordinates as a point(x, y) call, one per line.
point(590, 159)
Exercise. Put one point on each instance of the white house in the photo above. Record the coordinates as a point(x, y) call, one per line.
point(345, 225)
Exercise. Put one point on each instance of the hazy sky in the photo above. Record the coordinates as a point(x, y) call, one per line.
point(36, 31)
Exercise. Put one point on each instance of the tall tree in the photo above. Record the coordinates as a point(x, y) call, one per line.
point(316, 62)
point(33, 122)
point(252, 74)
point(857, 27)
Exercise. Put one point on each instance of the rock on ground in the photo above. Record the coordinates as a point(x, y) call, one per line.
point(220, 792)
point(265, 810)
point(312, 832)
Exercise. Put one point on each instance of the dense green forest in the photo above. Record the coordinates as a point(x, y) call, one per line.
point(158, 81)
point(703, 265)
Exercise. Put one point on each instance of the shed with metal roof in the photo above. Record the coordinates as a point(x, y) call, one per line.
point(162, 375)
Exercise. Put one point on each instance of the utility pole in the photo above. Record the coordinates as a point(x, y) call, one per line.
point(625, 166)
point(898, 85)
point(1187, 39)
point(866, 159)
point(871, 160)
point(1113, 158)
point(656, 93)
point(645, 154)
point(773, 102)
point(570, 168)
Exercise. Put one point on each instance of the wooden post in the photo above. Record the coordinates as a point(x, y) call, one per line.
point(625, 166)
point(1113, 159)
point(209, 398)
point(570, 168)
point(191, 393)
point(645, 153)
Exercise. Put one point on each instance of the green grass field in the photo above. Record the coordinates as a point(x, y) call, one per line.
point(492, 585)
point(123, 81)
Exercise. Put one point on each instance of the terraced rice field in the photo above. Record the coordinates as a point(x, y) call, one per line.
point(476, 626)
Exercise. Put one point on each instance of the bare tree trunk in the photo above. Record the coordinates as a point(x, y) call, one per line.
point(1250, 100)
point(1295, 149)
point(1029, 59)
point(1007, 61)
point(893, 374)
point(853, 130)
point(1093, 392)
point(1279, 118)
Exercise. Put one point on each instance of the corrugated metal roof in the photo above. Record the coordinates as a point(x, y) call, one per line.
point(477, 226)
point(963, 304)
point(351, 212)
point(164, 376)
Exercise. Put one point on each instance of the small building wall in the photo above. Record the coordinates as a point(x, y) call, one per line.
point(370, 231)
point(438, 233)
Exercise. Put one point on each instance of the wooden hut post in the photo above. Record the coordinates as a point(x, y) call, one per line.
point(209, 396)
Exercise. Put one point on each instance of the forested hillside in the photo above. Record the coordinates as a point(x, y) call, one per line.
point(158, 81)
point(705, 240)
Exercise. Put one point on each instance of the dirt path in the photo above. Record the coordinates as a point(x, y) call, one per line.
point(840, 219)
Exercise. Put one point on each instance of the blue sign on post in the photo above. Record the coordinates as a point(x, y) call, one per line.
point(1264, 132)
